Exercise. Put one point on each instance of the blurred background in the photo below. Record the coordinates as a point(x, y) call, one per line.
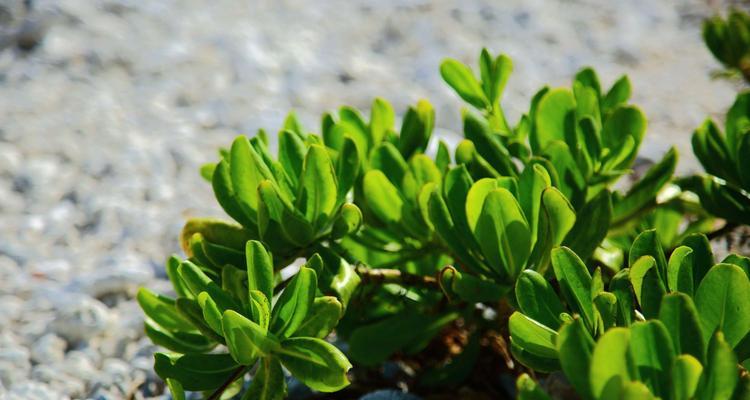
point(108, 108)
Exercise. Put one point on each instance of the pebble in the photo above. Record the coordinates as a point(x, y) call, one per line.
point(15, 365)
point(80, 318)
point(48, 349)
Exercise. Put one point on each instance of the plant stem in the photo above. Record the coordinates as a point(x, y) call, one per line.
point(382, 276)
point(220, 390)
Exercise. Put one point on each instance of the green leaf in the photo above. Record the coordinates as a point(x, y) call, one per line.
point(348, 221)
point(318, 187)
point(175, 389)
point(647, 286)
point(575, 283)
point(738, 260)
point(653, 354)
point(738, 122)
point(247, 171)
point(618, 94)
point(316, 363)
point(294, 303)
point(575, 348)
point(554, 119)
point(743, 162)
point(259, 268)
point(528, 389)
point(246, 340)
point(471, 288)
point(722, 300)
point(625, 123)
point(462, 80)
point(488, 145)
point(643, 193)
point(347, 169)
point(647, 243)
point(381, 120)
point(291, 154)
point(605, 307)
point(180, 342)
point(679, 315)
point(532, 336)
point(619, 285)
point(191, 310)
point(703, 256)
point(591, 226)
point(195, 372)
point(226, 234)
point(383, 198)
point(532, 182)
point(197, 281)
point(227, 197)
point(634, 391)
point(162, 310)
point(680, 270)
point(503, 233)
point(537, 299)
point(322, 317)
point(720, 377)
point(502, 67)
point(612, 363)
point(686, 374)
point(268, 382)
point(372, 344)
point(260, 307)
point(211, 313)
point(416, 129)
point(559, 213)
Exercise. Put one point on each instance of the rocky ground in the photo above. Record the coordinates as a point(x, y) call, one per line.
point(108, 108)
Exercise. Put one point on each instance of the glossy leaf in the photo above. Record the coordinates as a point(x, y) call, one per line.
point(295, 301)
point(575, 348)
point(246, 340)
point(722, 300)
point(575, 283)
point(538, 300)
point(462, 80)
point(316, 363)
point(268, 382)
point(681, 319)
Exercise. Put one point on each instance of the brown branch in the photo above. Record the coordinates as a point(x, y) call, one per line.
point(236, 374)
point(379, 276)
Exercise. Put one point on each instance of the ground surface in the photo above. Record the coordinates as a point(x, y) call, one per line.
point(103, 127)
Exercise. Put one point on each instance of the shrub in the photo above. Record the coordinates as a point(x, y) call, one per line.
point(519, 239)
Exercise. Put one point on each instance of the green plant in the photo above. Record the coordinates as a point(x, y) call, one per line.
point(724, 190)
point(446, 265)
point(729, 41)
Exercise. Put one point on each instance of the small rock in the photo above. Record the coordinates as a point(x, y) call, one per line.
point(115, 275)
point(48, 349)
point(33, 391)
point(80, 318)
point(79, 365)
point(14, 365)
point(59, 379)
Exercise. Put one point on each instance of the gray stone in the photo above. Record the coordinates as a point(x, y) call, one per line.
point(33, 391)
point(48, 349)
point(14, 365)
point(80, 318)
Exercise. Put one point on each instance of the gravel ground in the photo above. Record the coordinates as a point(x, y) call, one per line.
point(104, 124)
